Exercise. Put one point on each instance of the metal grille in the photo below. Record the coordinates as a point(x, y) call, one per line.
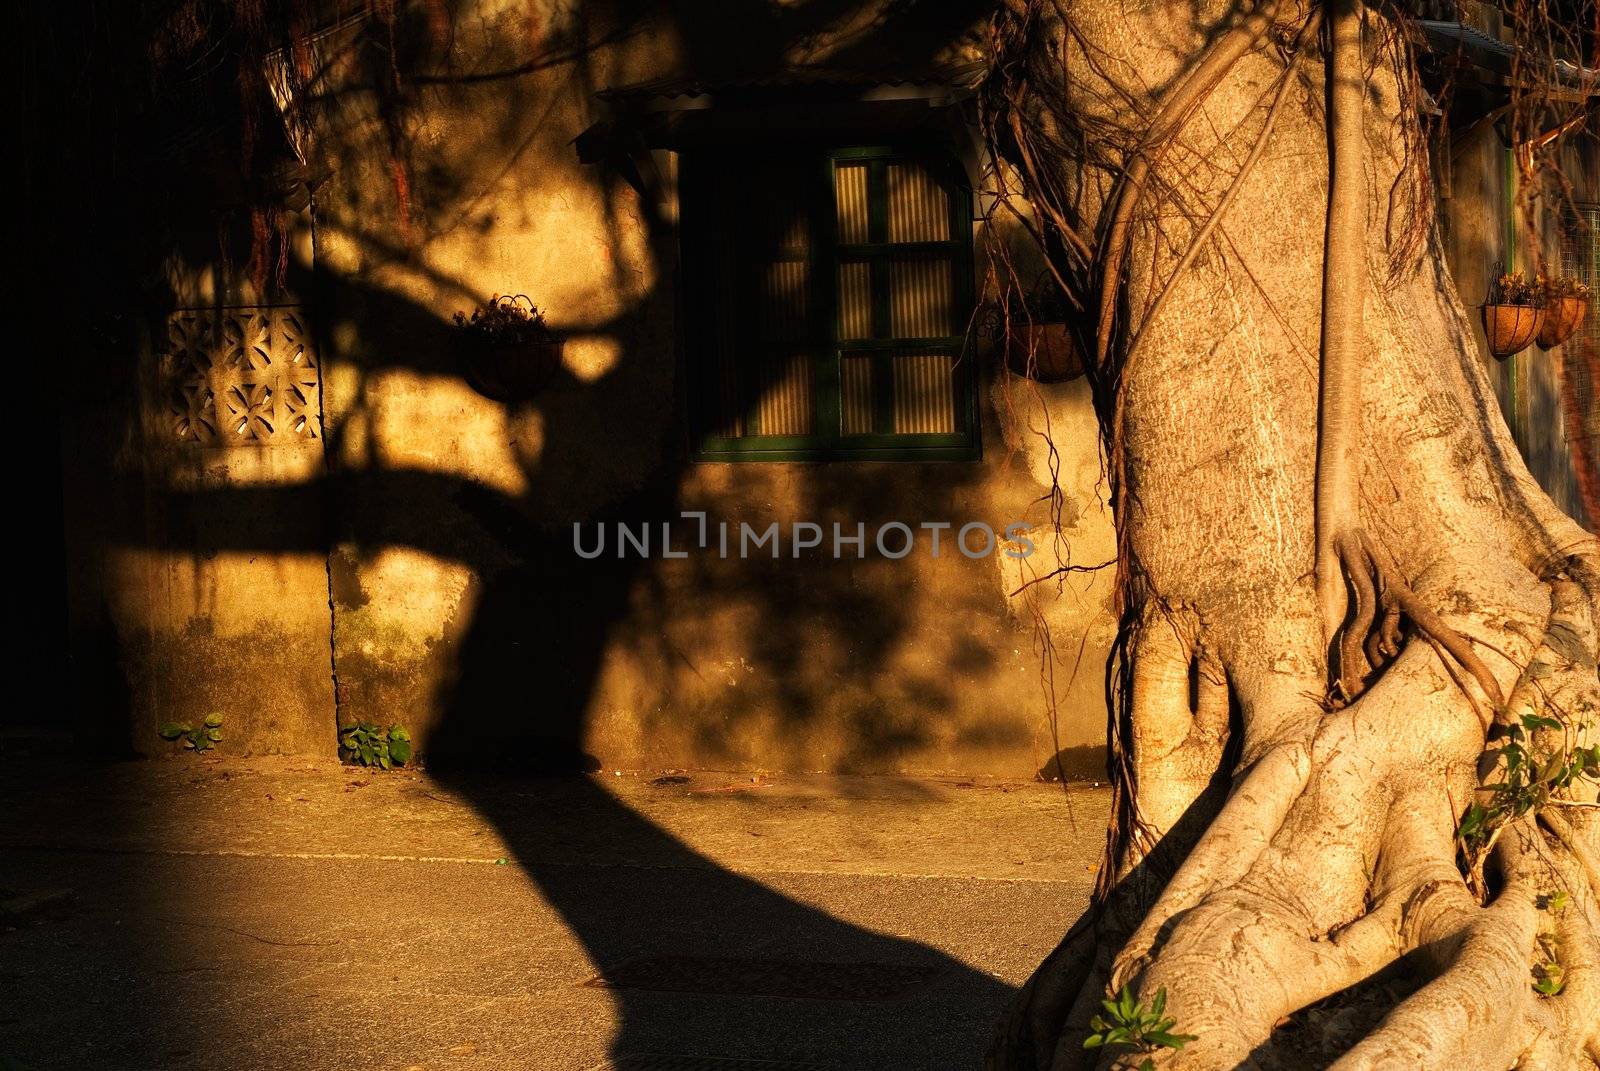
point(1580, 256)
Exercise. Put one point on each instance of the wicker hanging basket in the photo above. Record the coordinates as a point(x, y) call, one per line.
point(1511, 328)
point(1562, 318)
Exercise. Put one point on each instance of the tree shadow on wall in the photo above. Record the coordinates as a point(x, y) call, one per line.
point(697, 959)
point(702, 960)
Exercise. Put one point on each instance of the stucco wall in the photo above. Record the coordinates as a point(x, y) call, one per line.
point(460, 608)
point(196, 576)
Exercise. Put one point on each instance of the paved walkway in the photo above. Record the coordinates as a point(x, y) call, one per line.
point(272, 914)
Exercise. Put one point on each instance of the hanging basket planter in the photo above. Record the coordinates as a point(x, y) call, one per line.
point(510, 371)
point(1562, 317)
point(1043, 352)
point(1511, 328)
point(1033, 334)
point(505, 350)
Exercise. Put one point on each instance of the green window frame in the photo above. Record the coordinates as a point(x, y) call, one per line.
point(870, 389)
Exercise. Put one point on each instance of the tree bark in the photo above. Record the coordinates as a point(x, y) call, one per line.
point(1343, 588)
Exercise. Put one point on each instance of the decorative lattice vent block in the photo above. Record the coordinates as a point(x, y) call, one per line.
point(241, 376)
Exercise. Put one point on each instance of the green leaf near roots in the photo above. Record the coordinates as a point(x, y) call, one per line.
point(1169, 1040)
point(172, 730)
point(400, 748)
point(213, 721)
point(1549, 979)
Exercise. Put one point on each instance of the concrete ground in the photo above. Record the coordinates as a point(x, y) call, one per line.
point(243, 914)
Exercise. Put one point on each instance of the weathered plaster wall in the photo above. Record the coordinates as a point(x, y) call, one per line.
point(197, 582)
point(460, 608)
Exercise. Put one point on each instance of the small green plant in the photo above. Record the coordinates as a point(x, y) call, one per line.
point(1530, 781)
point(367, 744)
point(1549, 977)
point(1129, 1023)
point(1555, 902)
point(201, 738)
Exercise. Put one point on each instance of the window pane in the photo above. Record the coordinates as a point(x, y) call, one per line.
point(919, 208)
point(725, 413)
point(756, 379)
point(783, 405)
point(855, 299)
point(783, 301)
point(850, 194)
point(919, 299)
point(855, 389)
point(924, 393)
point(780, 224)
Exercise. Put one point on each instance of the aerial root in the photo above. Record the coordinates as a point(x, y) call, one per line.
point(1190, 91)
point(1369, 642)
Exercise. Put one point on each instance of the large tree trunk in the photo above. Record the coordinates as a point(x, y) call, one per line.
point(1296, 763)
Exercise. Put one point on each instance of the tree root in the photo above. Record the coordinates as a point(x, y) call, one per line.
point(1365, 704)
point(1368, 643)
point(1258, 921)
